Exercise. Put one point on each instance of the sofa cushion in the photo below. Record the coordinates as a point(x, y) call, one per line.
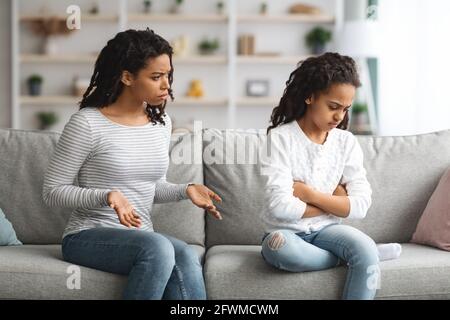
point(8, 236)
point(24, 157)
point(420, 273)
point(38, 272)
point(433, 228)
point(403, 172)
point(182, 219)
point(235, 176)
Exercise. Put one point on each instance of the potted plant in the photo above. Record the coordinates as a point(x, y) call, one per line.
point(34, 84)
point(94, 9)
point(46, 119)
point(147, 6)
point(50, 28)
point(317, 38)
point(208, 46)
point(263, 8)
point(220, 7)
point(176, 8)
point(359, 113)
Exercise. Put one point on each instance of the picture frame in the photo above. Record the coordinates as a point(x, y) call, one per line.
point(257, 88)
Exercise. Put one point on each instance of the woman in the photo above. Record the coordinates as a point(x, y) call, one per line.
point(117, 147)
point(313, 163)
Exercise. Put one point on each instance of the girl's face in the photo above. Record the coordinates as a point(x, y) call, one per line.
point(151, 84)
point(329, 108)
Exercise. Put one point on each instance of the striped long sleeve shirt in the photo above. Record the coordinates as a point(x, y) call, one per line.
point(95, 155)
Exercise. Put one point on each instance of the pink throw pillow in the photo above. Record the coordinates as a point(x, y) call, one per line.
point(434, 226)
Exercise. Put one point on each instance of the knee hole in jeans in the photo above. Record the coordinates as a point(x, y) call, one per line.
point(276, 240)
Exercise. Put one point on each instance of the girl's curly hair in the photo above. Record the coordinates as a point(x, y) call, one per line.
point(128, 50)
point(312, 76)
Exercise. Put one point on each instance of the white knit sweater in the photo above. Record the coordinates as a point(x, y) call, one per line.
point(291, 155)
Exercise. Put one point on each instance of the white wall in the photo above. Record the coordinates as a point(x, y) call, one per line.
point(5, 58)
point(414, 66)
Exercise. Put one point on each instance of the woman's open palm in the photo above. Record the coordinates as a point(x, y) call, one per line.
point(203, 197)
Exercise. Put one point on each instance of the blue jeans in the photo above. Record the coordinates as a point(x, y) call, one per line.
point(323, 249)
point(158, 266)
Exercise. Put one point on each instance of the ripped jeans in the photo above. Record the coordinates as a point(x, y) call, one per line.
point(323, 249)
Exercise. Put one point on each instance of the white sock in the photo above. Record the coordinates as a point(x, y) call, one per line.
point(389, 251)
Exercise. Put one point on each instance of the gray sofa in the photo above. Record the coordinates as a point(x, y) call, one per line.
point(403, 172)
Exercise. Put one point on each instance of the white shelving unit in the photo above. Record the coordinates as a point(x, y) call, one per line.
point(226, 71)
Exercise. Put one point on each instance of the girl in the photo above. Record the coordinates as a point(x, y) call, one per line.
point(311, 155)
point(117, 147)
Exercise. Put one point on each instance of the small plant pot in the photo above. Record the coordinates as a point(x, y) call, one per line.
point(176, 9)
point(360, 119)
point(207, 52)
point(46, 120)
point(318, 48)
point(35, 88)
point(147, 8)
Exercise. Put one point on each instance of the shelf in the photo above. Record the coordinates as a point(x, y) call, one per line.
point(224, 69)
point(177, 18)
point(287, 18)
point(61, 58)
point(49, 100)
point(90, 58)
point(250, 101)
point(213, 59)
point(186, 101)
point(255, 59)
point(84, 17)
point(67, 100)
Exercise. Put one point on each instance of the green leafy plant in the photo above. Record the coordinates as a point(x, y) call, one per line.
point(317, 39)
point(35, 78)
point(147, 5)
point(35, 84)
point(263, 8)
point(46, 119)
point(176, 7)
point(207, 46)
point(359, 108)
point(220, 6)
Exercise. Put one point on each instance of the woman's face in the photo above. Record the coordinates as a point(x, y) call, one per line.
point(328, 109)
point(151, 84)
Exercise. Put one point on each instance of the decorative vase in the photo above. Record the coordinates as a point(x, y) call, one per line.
point(35, 88)
point(177, 9)
point(50, 46)
point(318, 48)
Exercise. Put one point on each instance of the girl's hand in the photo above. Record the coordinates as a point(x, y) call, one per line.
point(340, 191)
point(125, 211)
point(303, 191)
point(202, 197)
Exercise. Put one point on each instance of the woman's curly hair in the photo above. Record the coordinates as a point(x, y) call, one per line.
point(312, 76)
point(128, 50)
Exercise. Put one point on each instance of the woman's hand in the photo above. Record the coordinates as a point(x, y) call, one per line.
point(202, 197)
point(125, 211)
point(303, 191)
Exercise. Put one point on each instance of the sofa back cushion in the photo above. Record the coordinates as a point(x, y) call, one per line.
point(24, 157)
point(403, 172)
point(231, 169)
point(182, 219)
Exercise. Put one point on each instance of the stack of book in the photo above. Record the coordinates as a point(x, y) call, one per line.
point(246, 44)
